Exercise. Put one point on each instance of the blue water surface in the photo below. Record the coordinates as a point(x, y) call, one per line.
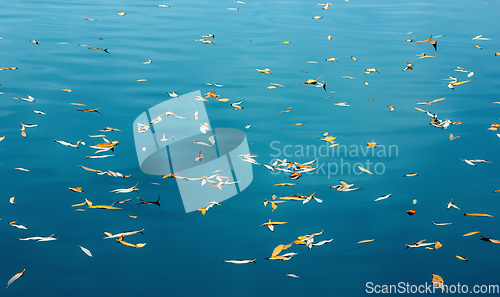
point(185, 252)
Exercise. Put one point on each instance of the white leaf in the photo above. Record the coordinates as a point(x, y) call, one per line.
point(86, 251)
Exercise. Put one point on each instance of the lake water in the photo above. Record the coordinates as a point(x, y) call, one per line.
point(185, 251)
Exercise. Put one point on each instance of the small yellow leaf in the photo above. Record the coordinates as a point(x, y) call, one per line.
point(365, 241)
point(437, 245)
